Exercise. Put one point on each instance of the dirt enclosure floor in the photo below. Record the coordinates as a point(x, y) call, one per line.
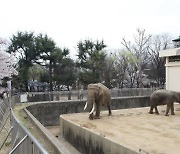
point(136, 128)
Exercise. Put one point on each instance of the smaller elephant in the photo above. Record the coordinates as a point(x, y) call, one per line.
point(164, 97)
point(98, 95)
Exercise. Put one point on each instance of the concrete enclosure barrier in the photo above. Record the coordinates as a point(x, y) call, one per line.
point(90, 142)
point(75, 95)
point(47, 113)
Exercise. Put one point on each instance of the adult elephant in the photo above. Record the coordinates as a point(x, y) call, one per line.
point(164, 97)
point(98, 95)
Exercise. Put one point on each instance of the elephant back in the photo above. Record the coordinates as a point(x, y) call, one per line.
point(105, 94)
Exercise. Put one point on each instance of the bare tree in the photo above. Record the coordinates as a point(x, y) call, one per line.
point(126, 69)
point(140, 49)
point(109, 70)
point(121, 67)
point(158, 42)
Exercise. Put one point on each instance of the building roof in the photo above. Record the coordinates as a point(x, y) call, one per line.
point(169, 52)
point(176, 40)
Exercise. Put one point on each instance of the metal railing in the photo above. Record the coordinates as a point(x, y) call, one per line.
point(22, 141)
point(4, 121)
point(4, 112)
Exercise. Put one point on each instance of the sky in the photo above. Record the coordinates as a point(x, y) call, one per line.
point(69, 21)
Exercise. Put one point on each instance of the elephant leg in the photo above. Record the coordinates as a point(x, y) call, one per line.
point(109, 109)
point(156, 110)
point(167, 109)
point(151, 110)
point(97, 116)
point(91, 116)
point(172, 109)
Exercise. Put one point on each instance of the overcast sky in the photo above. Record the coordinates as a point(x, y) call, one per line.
point(69, 21)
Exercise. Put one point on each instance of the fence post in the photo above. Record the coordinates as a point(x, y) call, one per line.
point(69, 95)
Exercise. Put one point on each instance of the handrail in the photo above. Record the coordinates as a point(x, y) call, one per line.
point(18, 144)
point(30, 136)
point(6, 138)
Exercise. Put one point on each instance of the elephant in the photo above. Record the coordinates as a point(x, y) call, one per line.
point(164, 97)
point(97, 95)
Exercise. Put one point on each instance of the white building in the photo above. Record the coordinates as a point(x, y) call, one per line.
point(172, 68)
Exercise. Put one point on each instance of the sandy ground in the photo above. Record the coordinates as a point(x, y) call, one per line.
point(137, 129)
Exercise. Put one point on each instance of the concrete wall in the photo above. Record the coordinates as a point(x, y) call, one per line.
point(89, 142)
point(75, 95)
point(47, 113)
point(54, 145)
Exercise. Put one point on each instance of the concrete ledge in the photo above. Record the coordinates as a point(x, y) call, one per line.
point(57, 147)
point(169, 52)
point(89, 142)
point(47, 113)
point(127, 131)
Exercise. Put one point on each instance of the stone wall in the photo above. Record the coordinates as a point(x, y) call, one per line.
point(47, 113)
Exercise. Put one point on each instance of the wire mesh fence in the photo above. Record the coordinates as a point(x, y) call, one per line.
point(23, 142)
point(5, 125)
point(14, 137)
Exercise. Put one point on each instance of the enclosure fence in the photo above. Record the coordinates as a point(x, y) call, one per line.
point(82, 94)
point(22, 142)
point(4, 121)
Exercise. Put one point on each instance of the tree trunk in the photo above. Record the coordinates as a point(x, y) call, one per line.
point(50, 76)
point(50, 80)
point(140, 77)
